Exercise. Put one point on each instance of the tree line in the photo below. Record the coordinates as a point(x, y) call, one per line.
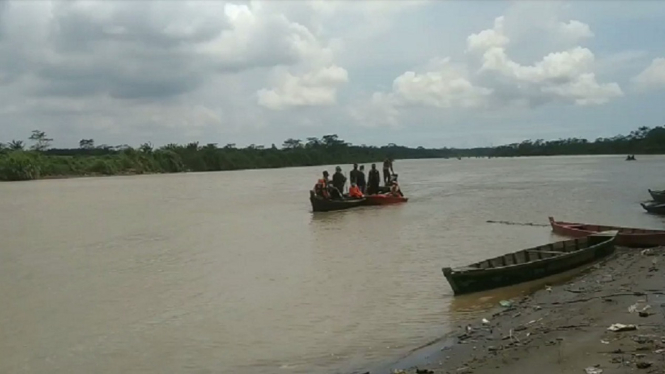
point(20, 161)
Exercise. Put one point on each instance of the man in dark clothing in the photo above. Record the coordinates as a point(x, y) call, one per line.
point(387, 170)
point(338, 179)
point(361, 182)
point(373, 181)
point(353, 175)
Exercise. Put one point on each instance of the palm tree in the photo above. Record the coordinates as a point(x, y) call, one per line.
point(16, 145)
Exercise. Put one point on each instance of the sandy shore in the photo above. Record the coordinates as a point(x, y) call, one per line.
point(564, 328)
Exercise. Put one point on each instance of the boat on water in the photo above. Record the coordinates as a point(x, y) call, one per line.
point(654, 207)
point(657, 196)
point(630, 158)
point(384, 199)
point(530, 264)
point(627, 236)
point(320, 204)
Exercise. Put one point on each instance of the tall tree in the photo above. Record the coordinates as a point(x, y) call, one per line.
point(86, 144)
point(41, 141)
point(146, 147)
point(331, 140)
point(292, 143)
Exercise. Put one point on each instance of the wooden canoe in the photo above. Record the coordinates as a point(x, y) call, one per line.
point(320, 204)
point(654, 207)
point(530, 264)
point(627, 237)
point(657, 196)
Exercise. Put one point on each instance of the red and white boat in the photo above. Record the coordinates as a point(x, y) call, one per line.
point(384, 199)
point(627, 237)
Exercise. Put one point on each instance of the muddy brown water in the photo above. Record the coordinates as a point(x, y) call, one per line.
point(231, 273)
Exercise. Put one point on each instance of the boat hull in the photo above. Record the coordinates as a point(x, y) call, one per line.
point(627, 236)
point(326, 205)
point(657, 196)
point(576, 253)
point(384, 199)
point(655, 208)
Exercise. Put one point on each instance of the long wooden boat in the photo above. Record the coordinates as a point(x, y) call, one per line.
point(627, 237)
point(654, 207)
point(657, 196)
point(530, 264)
point(320, 204)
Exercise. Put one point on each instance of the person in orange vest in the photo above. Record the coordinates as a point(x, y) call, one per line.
point(355, 192)
point(321, 186)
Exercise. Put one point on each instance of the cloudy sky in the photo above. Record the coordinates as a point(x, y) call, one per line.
point(431, 73)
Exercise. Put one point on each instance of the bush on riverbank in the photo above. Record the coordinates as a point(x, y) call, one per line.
point(17, 164)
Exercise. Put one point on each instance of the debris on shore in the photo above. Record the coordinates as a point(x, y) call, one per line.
point(606, 321)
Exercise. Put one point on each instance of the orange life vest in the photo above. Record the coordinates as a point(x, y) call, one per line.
point(321, 188)
point(354, 191)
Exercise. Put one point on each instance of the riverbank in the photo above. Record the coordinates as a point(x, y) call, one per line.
point(566, 328)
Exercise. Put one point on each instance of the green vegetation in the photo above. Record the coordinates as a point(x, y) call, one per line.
point(39, 161)
point(644, 140)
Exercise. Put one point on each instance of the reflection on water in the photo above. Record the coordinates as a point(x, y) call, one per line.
point(231, 272)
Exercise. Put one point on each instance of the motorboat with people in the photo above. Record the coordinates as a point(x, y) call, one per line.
point(394, 195)
point(327, 194)
point(321, 204)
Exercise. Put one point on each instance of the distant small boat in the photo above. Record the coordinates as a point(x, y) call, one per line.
point(658, 196)
point(654, 207)
point(530, 264)
point(628, 236)
point(630, 158)
point(320, 204)
point(384, 199)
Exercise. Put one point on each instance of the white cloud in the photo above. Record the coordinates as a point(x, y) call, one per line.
point(447, 86)
point(566, 76)
point(585, 90)
point(311, 89)
point(653, 76)
point(574, 30)
point(138, 55)
point(487, 39)
point(139, 71)
point(557, 66)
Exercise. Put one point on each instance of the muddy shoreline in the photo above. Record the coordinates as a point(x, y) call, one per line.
point(561, 328)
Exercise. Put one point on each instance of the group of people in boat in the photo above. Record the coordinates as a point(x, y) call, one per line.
point(333, 188)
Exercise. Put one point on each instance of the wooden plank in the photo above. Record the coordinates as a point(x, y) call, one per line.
point(548, 252)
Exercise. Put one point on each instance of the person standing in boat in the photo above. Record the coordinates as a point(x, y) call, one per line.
point(353, 175)
point(338, 179)
point(361, 182)
point(373, 181)
point(387, 170)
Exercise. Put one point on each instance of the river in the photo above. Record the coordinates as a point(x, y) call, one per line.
point(230, 272)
